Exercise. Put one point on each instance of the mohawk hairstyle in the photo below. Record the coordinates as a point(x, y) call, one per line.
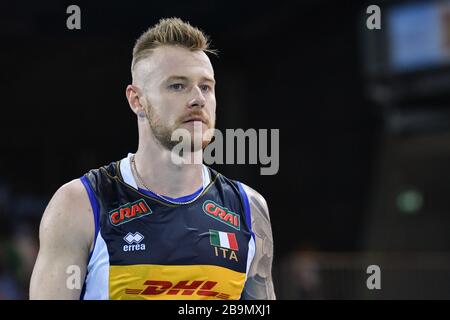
point(171, 31)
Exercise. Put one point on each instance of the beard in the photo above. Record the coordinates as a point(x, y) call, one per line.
point(163, 133)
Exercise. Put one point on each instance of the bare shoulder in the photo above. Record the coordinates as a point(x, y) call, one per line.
point(68, 214)
point(257, 203)
point(65, 239)
point(259, 283)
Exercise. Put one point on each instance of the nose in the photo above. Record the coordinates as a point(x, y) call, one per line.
point(198, 100)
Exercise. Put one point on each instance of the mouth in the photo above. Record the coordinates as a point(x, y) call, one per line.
point(195, 118)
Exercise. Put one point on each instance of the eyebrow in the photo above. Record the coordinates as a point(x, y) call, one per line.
point(171, 78)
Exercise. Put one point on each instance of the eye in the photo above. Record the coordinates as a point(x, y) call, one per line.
point(205, 88)
point(177, 86)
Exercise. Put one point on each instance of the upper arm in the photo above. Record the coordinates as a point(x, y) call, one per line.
point(259, 283)
point(65, 236)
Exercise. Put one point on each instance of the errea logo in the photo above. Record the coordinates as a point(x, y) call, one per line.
point(133, 240)
point(133, 237)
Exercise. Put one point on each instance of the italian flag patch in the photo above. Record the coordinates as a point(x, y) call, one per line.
point(223, 239)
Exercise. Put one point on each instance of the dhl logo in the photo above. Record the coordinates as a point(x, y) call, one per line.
point(199, 288)
point(222, 214)
point(129, 212)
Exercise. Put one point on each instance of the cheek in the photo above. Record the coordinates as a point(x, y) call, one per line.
point(161, 109)
point(212, 105)
point(212, 111)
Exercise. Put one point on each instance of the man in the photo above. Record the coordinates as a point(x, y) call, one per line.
point(148, 227)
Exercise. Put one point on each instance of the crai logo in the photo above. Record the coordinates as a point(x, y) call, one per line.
point(129, 212)
point(222, 214)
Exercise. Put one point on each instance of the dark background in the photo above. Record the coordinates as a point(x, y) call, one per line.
point(294, 66)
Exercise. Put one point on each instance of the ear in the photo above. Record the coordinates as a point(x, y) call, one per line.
point(132, 94)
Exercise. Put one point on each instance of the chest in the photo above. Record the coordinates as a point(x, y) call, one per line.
point(204, 233)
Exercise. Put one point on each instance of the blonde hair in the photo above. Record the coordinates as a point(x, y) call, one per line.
point(171, 31)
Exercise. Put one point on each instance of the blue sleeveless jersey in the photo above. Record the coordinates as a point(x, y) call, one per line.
point(147, 248)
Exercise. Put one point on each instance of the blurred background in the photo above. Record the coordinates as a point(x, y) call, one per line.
point(364, 119)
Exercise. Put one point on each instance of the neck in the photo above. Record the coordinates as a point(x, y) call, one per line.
point(161, 175)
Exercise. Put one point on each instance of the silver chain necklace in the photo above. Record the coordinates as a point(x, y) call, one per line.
point(159, 196)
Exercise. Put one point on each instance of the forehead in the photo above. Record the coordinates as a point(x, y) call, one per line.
point(168, 61)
